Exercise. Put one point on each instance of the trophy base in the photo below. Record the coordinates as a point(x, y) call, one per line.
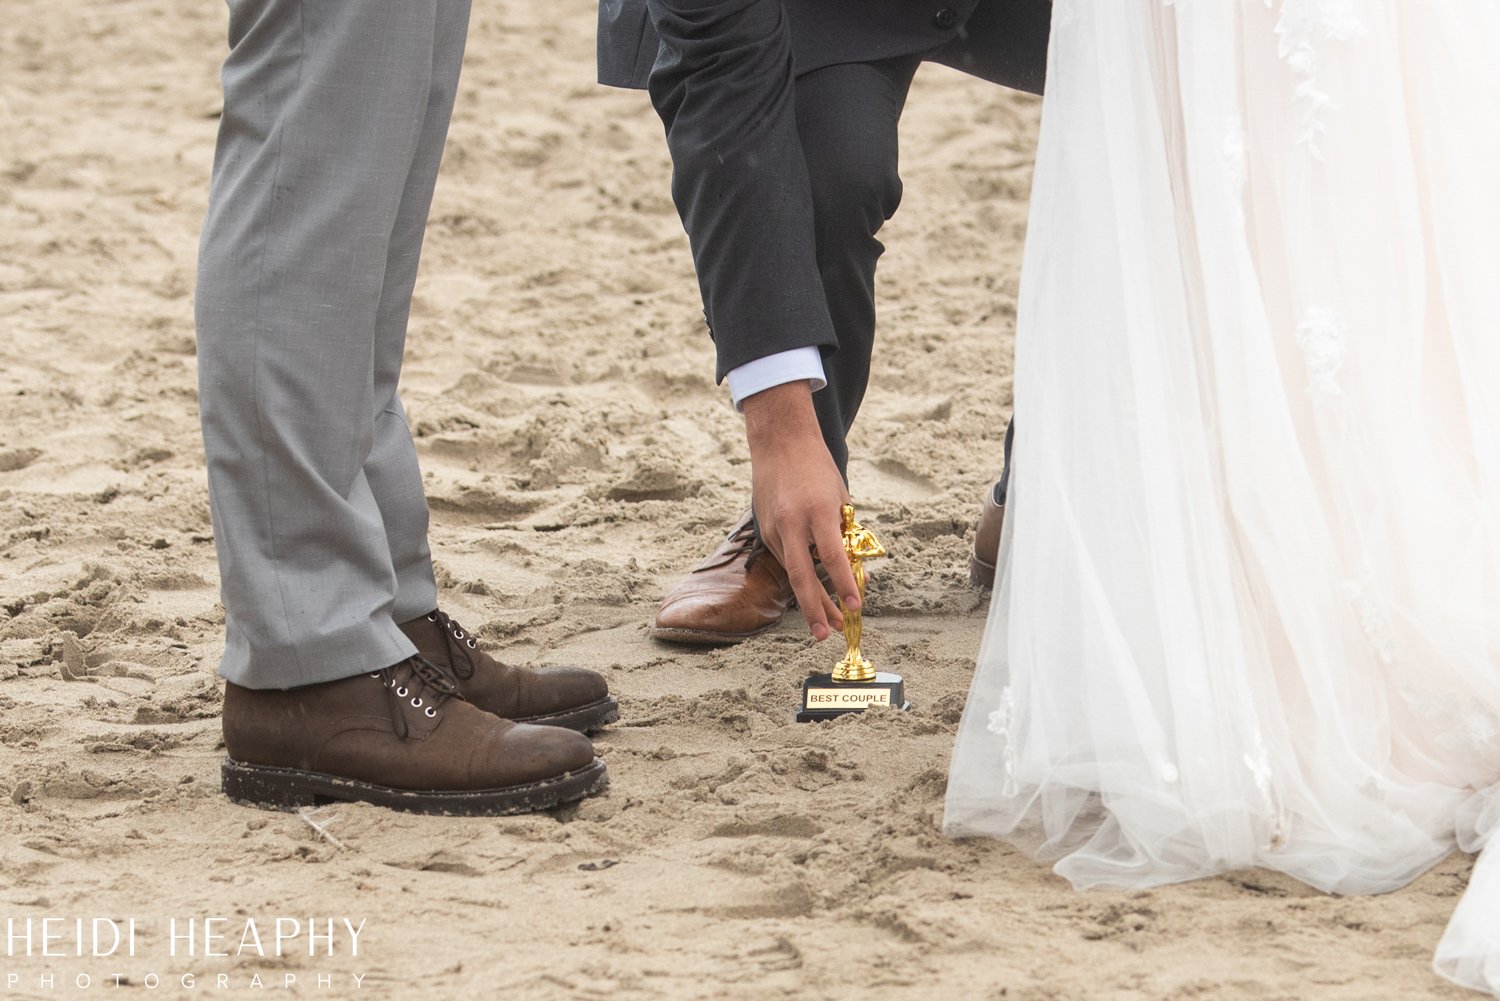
point(823, 698)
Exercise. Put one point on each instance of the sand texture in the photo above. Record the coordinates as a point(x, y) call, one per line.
point(578, 457)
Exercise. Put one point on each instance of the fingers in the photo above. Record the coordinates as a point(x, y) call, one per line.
point(796, 490)
point(818, 608)
point(792, 539)
point(829, 541)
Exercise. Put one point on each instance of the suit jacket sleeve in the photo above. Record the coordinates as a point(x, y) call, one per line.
point(626, 44)
point(723, 86)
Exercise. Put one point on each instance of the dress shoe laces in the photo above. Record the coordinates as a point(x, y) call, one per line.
point(427, 686)
point(745, 542)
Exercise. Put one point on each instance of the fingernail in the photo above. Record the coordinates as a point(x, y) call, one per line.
point(820, 632)
point(852, 602)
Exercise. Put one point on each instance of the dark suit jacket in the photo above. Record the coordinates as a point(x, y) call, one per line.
point(721, 76)
point(824, 32)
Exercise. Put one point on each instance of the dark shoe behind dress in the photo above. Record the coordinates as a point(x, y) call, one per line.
point(572, 697)
point(400, 737)
point(738, 592)
point(986, 552)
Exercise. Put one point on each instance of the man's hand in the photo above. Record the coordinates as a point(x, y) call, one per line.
point(797, 493)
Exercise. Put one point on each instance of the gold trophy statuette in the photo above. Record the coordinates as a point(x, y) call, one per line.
point(854, 685)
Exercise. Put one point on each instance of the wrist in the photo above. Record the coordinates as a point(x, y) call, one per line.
point(781, 416)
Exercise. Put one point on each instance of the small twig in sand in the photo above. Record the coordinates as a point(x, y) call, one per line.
point(645, 720)
point(307, 817)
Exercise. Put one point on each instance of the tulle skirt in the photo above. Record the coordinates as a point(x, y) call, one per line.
point(1249, 606)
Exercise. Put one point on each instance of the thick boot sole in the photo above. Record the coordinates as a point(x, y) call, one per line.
point(584, 719)
point(273, 788)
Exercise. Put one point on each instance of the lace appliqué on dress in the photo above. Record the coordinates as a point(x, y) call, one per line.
point(1372, 620)
point(1259, 764)
point(1235, 170)
point(1301, 26)
point(1456, 722)
point(1320, 335)
point(999, 725)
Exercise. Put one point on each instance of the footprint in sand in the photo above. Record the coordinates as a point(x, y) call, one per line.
point(890, 481)
point(12, 459)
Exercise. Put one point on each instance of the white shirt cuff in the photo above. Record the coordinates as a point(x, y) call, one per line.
point(796, 365)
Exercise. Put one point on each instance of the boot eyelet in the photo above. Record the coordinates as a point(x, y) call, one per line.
point(416, 703)
point(402, 692)
point(432, 617)
point(458, 634)
point(430, 712)
point(376, 674)
point(471, 644)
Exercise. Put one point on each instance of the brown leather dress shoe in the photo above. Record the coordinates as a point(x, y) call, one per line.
point(987, 541)
point(403, 738)
point(572, 697)
point(740, 591)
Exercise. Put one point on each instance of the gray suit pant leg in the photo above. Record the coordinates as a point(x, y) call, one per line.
point(335, 115)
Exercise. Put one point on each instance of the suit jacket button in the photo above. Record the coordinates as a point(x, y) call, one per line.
point(945, 18)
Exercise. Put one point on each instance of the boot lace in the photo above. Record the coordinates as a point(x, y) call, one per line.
point(426, 685)
point(458, 643)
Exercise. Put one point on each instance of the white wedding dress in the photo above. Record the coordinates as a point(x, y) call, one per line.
point(1249, 607)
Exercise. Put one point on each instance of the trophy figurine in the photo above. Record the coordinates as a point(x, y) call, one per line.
point(854, 685)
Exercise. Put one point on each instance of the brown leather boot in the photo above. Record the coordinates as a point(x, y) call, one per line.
point(572, 697)
point(401, 737)
point(986, 552)
point(740, 591)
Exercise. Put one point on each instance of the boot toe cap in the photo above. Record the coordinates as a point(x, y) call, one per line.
point(522, 753)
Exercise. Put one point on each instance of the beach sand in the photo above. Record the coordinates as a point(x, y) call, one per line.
point(578, 457)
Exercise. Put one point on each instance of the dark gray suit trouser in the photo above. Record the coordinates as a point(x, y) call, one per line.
point(847, 116)
point(784, 178)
